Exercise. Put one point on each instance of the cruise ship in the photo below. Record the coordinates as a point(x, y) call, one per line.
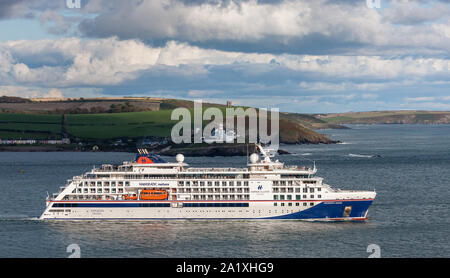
point(151, 188)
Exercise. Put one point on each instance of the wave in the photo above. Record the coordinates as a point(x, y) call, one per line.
point(344, 143)
point(302, 154)
point(364, 155)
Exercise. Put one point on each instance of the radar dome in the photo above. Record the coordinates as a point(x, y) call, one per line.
point(179, 158)
point(254, 158)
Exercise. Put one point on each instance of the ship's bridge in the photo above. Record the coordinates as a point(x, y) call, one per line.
point(264, 163)
point(261, 166)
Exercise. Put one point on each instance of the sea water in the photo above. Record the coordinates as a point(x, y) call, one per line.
point(407, 165)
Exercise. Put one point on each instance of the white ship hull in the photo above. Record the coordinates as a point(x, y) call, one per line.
point(307, 210)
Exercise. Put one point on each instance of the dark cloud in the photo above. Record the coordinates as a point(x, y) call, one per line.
point(297, 27)
point(9, 9)
point(313, 44)
point(157, 29)
point(330, 27)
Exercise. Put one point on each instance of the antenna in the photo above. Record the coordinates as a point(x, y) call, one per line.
point(247, 153)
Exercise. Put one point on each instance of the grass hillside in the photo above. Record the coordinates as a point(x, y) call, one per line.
point(158, 123)
point(116, 125)
point(294, 133)
point(388, 117)
point(15, 126)
point(310, 121)
point(107, 126)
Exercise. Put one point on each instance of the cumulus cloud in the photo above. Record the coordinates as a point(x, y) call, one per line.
point(413, 12)
point(40, 92)
point(325, 54)
point(76, 62)
point(292, 26)
point(240, 21)
point(340, 86)
point(402, 27)
point(20, 91)
point(81, 62)
point(30, 92)
point(73, 61)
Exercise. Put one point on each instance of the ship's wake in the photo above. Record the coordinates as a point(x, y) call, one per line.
point(12, 217)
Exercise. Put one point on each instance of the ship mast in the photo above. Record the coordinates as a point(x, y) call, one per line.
point(264, 153)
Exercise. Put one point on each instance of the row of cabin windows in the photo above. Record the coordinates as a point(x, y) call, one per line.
point(187, 205)
point(196, 176)
point(213, 190)
point(281, 183)
point(292, 204)
point(221, 197)
point(297, 197)
point(295, 176)
point(297, 190)
point(104, 183)
point(171, 176)
point(107, 176)
point(215, 205)
point(87, 197)
point(180, 183)
point(211, 183)
point(97, 190)
point(134, 177)
point(96, 205)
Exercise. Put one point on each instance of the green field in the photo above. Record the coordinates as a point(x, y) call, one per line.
point(27, 135)
point(30, 126)
point(38, 127)
point(133, 124)
point(87, 126)
point(107, 126)
point(118, 125)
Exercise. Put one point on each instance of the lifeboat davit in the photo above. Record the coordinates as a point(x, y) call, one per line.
point(153, 195)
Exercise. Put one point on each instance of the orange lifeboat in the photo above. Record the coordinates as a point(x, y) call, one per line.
point(154, 195)
point(127, 197)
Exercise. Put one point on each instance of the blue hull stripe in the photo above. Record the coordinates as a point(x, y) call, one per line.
point(329, 210)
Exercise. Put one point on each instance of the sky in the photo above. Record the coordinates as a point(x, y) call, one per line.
point(318, 56)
